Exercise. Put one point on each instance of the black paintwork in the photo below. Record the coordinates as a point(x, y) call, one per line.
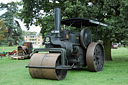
point(80, 22)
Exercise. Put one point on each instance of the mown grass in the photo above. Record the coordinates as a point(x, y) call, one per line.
point(13, 72)
point(7, 49)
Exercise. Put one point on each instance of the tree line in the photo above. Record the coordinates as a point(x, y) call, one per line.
point(11, 32)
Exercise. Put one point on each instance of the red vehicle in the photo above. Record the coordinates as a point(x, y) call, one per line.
point(22, 52)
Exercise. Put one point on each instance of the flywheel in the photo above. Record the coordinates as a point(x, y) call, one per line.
point(47, 60)
point(95, 57)
point(85, 37)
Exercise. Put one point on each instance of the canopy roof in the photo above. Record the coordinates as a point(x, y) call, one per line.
point(80, 22)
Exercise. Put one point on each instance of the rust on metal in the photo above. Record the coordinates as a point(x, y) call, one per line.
point(20, 49)
point(95, 57)
point(46, 59)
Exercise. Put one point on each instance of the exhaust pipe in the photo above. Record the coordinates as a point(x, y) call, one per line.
point(57, 21)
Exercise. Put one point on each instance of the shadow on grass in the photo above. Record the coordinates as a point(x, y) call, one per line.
point(80, 69)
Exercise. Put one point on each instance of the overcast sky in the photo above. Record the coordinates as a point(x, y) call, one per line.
point(32, 28)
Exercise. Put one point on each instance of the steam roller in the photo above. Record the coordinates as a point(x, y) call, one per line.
point(51, 60)
point(65, 50)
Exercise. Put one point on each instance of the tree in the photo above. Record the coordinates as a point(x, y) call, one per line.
point(107, 11)
point(14, 29)
point(3, 31)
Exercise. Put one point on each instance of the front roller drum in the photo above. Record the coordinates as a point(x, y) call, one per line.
point(47, 60)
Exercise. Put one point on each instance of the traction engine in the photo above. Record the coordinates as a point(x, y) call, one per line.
point(67, 50)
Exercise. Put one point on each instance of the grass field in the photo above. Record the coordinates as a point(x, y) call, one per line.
point(13, 72)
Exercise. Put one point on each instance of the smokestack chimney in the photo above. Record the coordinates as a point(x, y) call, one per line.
point(57, 12)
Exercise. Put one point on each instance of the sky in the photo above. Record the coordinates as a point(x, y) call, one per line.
point(32, 28)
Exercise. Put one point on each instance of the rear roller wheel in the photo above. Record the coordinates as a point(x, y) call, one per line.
point(48, 60)
point(95, 57)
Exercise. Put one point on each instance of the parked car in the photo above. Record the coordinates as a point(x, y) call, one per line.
point(115, 45)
